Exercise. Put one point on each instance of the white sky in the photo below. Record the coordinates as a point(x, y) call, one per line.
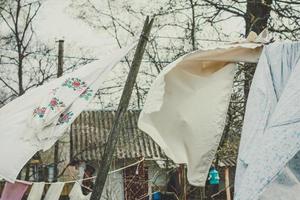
point(54, 23)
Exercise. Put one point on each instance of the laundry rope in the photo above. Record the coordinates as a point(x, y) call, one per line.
point(111, 172)
point(84, 179)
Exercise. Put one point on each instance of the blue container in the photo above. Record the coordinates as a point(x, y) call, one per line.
point(213, 176)
point(156, 196)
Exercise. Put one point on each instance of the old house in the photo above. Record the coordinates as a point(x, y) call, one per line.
point(88, 135)
point(139, 167)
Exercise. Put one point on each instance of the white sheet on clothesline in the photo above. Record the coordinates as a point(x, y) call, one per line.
point(186, 107)
point(54, 191)
point(268, 162)
point(36, 191)
point(37, 119)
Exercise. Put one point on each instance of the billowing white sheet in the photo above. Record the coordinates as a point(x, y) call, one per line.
point(186, 107)
point(37, 119)
point(268, 164)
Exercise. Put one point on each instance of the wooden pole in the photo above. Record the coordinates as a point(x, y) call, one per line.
point(202, 192)
point(184, 182)
point(59, 74)
point(60, 57)
point(123, 105)
point(227, 186)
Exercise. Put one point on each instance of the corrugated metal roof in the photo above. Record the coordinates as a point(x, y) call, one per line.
point(90, 130)
point(227, 162)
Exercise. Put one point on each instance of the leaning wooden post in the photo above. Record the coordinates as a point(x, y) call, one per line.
point(123, 105)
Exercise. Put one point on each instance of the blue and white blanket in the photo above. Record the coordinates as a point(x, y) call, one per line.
point(268, 164)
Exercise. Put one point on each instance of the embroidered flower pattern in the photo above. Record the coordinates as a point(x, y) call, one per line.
point(87, 94)
point(65, 118)
point(40, 112)
point(55, 103)
point(75, 83)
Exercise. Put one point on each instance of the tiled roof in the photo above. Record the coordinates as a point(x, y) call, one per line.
point(90, 130)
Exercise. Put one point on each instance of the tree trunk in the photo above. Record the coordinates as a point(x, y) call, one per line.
point(123, 105)
point(20, 75)
point(256, 18)
point(257, 15)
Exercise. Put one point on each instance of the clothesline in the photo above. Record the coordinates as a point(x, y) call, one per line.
point(200, 39)
point(84, 179)
point(93, 59)
point(111, 172)
point(55, 189)
point(80, 58)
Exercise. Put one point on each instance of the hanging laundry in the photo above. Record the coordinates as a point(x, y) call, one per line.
point(38, 118)
point(54, 191)
point(76, 193)
point(36, 191)
point(285, 186)
point(186, 107)
point(14, 191)
point(268, 161)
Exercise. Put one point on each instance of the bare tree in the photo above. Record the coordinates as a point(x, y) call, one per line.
point(25, 62)
point(189, 21)
point(18, 17)
point(121, 20)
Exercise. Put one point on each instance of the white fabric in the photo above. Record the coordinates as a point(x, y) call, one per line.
point(37, 119)
point(268, 164)
point(76, 193)
point(36, 191)
point(54, 191)
point(186, 107)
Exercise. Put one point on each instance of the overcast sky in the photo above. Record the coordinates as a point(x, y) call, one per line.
point(54, 23)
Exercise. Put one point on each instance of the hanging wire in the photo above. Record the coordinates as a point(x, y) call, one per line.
point(89, 178)
point(94, 59)
point(200, 39)
point(81, 58)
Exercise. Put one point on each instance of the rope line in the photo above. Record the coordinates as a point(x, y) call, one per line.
point(84, 179)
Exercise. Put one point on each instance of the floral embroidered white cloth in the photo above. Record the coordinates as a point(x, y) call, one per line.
point(37, 119)
point(186, 107)
point(268, 163)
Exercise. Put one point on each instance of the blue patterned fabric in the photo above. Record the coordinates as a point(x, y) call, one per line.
point(271, 132)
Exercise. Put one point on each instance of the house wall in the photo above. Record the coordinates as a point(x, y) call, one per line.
point(158, 178)
point(157, 175)
point(114, 187)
